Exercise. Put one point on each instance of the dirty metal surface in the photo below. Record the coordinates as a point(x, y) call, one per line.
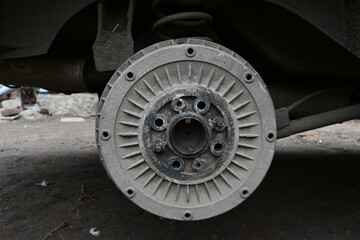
point(186, 129)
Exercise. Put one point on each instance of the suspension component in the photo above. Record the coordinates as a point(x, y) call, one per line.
point(188, 24)
point(188, 132)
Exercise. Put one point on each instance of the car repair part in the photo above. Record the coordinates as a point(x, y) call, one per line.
point(187, 24)
point(287, 127)
point(320, 120)
point(114, 43)
point(55, 73)
point(186, 129)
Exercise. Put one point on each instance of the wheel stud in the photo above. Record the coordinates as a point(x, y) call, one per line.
point(218, 124)
point(198, 165)
point(158, 146)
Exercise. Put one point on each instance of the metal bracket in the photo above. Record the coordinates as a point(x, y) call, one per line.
point(287, 127)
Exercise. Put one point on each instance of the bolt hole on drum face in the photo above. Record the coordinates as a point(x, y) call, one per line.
point(187, 136)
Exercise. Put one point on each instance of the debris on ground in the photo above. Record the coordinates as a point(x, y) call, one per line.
point(11, 103)
point(32, 115)
point(50, 234)
point(35, 104)
point(10, 118)
point(83, 194)
point(77, 104)
point(95, 232)
point(44, 183)
point(11, 112)
point(72, 119)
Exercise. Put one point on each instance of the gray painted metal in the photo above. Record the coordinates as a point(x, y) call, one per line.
point(114, 43)
point(315, 121)
point(134, 147)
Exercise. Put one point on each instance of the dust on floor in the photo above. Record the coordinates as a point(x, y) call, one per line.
point(312, 190)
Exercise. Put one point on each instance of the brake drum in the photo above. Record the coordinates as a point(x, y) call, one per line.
point(186, 129)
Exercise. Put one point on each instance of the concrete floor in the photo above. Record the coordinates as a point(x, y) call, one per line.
point(312, 190)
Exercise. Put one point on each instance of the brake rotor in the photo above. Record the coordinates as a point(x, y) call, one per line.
point(187, 129)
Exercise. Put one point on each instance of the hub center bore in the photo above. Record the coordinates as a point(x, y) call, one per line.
point(188, 135)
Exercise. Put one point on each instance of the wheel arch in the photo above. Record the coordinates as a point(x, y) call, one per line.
point(28, 28)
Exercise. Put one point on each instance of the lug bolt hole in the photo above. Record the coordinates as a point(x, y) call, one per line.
point(248, 77)
point(218, 147)
point(270, 136)
point(201, 105)
point(190, 52)
point(245, 192)
point(176, 165)
point(179, 103)
point(187, 215)
point(130, 192)
point(130, 76)
point(159, 122)
point(105, 135)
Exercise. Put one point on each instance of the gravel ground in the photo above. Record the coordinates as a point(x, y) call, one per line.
point(312, 190)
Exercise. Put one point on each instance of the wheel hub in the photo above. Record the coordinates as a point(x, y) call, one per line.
point(184, 121)
point(180, 132)
point(188, 135)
